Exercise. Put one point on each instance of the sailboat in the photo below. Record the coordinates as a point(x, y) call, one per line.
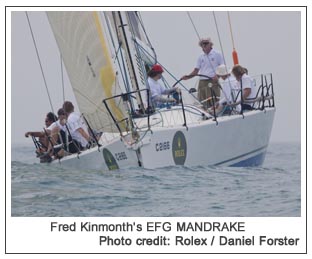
point(107, 56)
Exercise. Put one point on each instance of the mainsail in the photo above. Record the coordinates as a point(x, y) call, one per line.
point(85, 50)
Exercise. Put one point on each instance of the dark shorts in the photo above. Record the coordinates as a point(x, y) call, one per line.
point(247, 107)
point(72, 146)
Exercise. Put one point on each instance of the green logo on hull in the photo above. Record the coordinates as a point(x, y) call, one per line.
point(110, 160)
point(179, 148)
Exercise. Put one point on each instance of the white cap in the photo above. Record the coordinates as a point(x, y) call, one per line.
point(204, 40)
point(222, 70)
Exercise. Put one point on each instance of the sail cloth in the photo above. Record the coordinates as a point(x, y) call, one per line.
point(87, 58)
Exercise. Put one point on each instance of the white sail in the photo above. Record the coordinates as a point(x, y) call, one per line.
point(85, 50)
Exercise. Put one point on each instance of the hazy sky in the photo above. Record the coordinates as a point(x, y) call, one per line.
point(266, 42)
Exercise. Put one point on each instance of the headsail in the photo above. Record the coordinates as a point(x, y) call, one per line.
point(85, 51)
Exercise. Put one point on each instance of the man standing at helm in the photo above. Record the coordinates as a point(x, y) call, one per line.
point(206, 65)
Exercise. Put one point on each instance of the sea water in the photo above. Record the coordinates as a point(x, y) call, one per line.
point(272, 190)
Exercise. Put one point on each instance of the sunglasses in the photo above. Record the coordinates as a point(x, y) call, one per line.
point(205, 43)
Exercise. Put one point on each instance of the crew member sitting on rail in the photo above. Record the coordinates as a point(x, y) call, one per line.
point(42, 144)
point(76, 126)
point(60, 141)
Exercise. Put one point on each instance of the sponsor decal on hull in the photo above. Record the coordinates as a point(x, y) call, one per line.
point(110, 160)
point(179, 148)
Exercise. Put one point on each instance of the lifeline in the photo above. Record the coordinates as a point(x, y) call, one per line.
point(211, 226)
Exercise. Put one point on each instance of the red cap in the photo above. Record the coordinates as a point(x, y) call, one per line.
point(157, 68)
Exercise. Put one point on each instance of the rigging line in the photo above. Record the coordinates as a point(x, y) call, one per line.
point(62, 74)
point(132, 68)
point(207, 55)
point(219, 38)
point(172, 76)
point(119, 50)
point(117, 53)
point(230, 24)
point(123, 68)
point(234, 53)
point(109, 30)
point(141, 64)
point(116, 26)
point(124, 77)
point(189, 15)
point(44, 79)
point(146, 36)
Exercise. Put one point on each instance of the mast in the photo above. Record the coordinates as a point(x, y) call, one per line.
point(132, 71)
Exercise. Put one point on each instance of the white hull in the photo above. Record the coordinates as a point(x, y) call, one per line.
point(112, 156)
point(235, 140)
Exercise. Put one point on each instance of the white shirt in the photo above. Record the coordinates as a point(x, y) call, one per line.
point(248, 82)
point(74, 122)
point(208, 63)
point(229, 90)
point(156, 88)
point(61, 127)
point(52, 126)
